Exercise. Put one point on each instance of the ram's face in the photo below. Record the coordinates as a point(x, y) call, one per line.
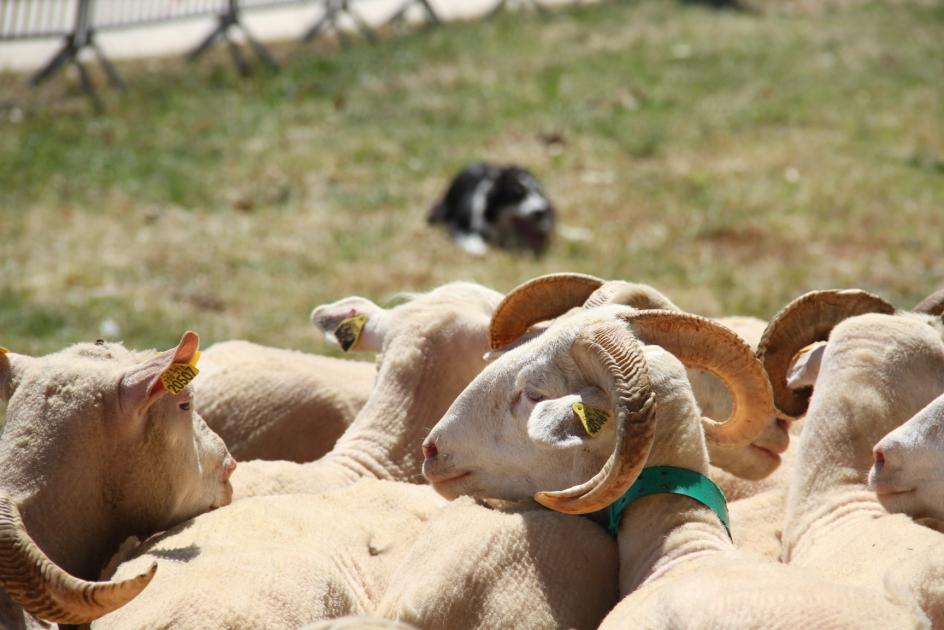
point(513, 431)
point(906, 474)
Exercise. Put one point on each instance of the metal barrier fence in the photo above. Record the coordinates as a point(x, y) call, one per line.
point(32, 19)
point(35, 19)
point(78, 21)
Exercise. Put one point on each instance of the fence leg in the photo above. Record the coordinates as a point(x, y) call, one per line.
point(88, 87)
point(358, 21)
point(430, 12)
point(400, 15)
point(63, 56)
point(238, 60)
point(315, 29)
point(332, 10)
point(113, 77)
point(261, 51)
point(227, 21)
point(203, 46)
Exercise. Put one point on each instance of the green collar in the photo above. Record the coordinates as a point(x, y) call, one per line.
point(671, 480)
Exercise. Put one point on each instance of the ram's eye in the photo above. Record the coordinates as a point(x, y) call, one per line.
point(184, 406)
point(534, 396)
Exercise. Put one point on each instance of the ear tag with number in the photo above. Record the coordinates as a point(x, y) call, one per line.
point(349, 331)
point(179, 375)
point(592, 419)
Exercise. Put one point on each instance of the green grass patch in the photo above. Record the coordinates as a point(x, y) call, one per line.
point(734, 160)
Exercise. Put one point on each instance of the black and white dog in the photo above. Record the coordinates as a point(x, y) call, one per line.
point(501, 205)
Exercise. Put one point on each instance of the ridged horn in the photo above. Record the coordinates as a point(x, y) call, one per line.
point(611, 346)
point(805, 320)
point(932, 305)
point(43, 589)
point(707, 345)
point(641, 296)
point(539, 299)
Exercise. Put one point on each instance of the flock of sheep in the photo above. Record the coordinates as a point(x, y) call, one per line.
point(468, 477)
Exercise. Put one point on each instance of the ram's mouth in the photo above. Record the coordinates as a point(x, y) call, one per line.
point(885, 490)
point(444, 478)
point(894, 493)
point(765, 453)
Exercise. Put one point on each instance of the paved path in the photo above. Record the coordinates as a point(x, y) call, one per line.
point(178, 37)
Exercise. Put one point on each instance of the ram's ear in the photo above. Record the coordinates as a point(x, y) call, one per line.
point(12, 366)
point(141, 386)
point(351, 323)
point(572, 421)
point(804, 367)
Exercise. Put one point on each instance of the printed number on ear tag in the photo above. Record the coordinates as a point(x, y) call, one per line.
point(592, 419)
point(179, 375)
point(349, 331)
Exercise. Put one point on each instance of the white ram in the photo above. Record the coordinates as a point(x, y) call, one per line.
point(95, 449)
point(431, 347)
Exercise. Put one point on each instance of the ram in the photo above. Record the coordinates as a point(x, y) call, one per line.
point(546, 297)
point(430, 348)
point(879, 368)
point(646, 465)
point(96, 449)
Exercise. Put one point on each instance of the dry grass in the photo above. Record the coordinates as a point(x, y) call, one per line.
point(734, 160)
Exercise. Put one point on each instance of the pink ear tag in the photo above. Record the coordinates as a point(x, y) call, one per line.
point(592, 419)
point(179, 375)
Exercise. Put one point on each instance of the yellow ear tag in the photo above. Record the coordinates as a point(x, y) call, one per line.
point(349, 331)
point(179, 375)
point(592, 419)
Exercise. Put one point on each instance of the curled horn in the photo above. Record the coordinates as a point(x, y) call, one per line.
point(707, 345)
point(932, 305)
point(43, 589)
point(805, 320)
point(641, 296)
point(537, 300)
point(611, 346)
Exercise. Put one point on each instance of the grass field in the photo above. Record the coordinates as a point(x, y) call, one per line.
point(733, 160)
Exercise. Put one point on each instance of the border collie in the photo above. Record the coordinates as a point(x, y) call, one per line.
point(501, 205)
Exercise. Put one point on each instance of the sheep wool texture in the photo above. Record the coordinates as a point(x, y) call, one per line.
point(478, 568)
point(270, 403)
point(740, 594)
point(877, 371)
point(278, 562)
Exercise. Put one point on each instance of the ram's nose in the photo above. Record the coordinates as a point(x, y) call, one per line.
point(429, 450)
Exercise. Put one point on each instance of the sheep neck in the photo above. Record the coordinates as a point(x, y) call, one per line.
point(868, 385)
point(422, 373)
point(662, 531)
point(58, 491)
point(74, 531)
